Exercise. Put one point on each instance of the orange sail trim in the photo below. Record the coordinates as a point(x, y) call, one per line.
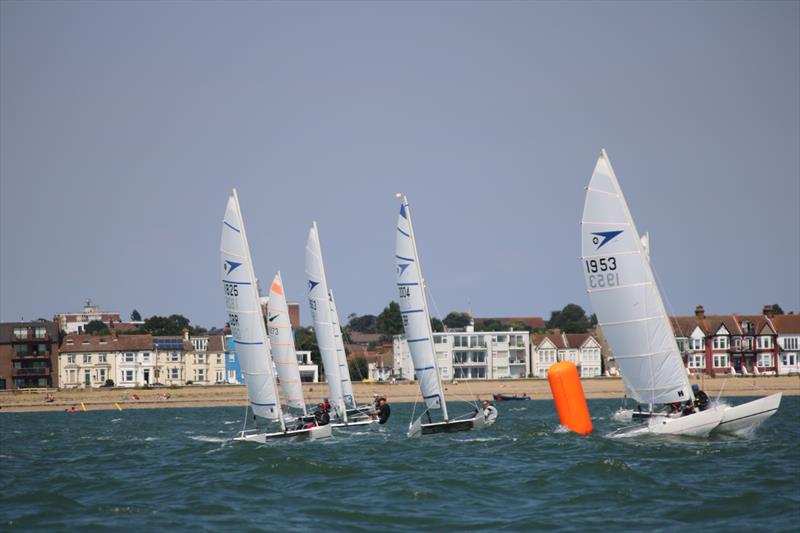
point(277, 289)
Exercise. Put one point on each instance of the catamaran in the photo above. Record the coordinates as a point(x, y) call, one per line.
point(250, 336)
point(628, 304)
point(329, 339)
point(419, 336)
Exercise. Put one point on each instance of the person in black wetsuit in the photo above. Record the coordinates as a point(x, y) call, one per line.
point(322, 416)
point(383, 411)
point(700, 398)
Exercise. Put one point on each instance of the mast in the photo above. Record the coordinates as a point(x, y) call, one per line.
point(425, 304)
point(262, 326)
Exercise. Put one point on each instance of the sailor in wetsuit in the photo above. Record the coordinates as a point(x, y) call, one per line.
point(700, 398)
point(322, 416)
point(489, 411)
point(383, 411)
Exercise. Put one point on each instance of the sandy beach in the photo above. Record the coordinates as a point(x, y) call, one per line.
point(235, 395)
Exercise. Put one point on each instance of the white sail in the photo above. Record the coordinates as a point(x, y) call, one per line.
point(319, 302)
point(341, 356)
point(244, 314)
point(414, 310)
point(625, 295)
point(281, 341)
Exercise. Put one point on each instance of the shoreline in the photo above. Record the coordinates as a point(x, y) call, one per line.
point(405, 392)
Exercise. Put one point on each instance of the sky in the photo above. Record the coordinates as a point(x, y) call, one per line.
point(124, 125)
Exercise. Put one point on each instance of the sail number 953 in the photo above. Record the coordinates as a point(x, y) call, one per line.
point(602, 272)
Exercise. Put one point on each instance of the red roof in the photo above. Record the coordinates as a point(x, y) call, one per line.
point(535, 322)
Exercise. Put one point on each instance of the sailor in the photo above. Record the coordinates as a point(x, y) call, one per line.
point(322, 416)
point(489, 411)
point(700, 398)
point(383, 411)
point(326, 404)
point(688, 408)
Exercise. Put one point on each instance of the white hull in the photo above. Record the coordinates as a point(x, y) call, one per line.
point(313, 433)
point(354, 423)
point(698, 424)
point(749, 415)
point(477, 422)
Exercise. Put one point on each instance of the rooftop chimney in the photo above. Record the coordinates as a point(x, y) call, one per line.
point(699, 312)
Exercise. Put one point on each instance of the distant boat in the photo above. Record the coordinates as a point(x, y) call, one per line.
point(417, 326)
point(628, 305)
point(329, 338)
point(250, 335)
point(510, 397)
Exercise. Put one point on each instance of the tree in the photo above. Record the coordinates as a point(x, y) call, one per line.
point(777, 309)
point(457, 320)
point(306, 340)
point(359, 370)
point(96, 327)
point(135, 316)
point(171, 325)
point(436, 325)
point(363, 323)
point(390, 322)
point(517, 325)
point(571, 319)
point(490, 324)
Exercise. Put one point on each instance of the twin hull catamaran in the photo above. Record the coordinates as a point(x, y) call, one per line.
point(417, 326)
point(629, 307)
point(329, 339)
point(250, 336)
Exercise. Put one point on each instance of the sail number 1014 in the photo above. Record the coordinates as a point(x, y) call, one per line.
point(602, 272)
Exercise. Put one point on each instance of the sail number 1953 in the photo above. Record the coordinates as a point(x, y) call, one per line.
point(602, 272)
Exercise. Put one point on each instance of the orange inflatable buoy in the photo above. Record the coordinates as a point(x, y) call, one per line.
point(565, 384)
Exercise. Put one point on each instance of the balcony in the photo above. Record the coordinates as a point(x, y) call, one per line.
point(30, 355)
point(43, 371)
point(30, 337)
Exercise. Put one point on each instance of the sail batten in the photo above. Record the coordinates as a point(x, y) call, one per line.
point(625, 295)
point(244, 314)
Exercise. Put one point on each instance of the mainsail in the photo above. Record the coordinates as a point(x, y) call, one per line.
point(244, 314)
point(414, 310)
point(281, 341)
point(625, 295)
point(318, 300)
point(341, 356)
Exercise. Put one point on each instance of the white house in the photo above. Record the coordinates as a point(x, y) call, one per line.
point(582, 349)
point(788, 329)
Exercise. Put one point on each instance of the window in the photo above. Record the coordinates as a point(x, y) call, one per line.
point(127, 375)
point(87, 358)
point(200, 374)
point(697, 344)
point(101, 375)
point(72, 376)
point(764, 342)
point(199, 359)
point(219, 359)
point(737, 343)
point(174, 373)
point(40, 333)
point(220, 376)
point(790, 343)
point(102, 358)
point(21, 333)
point(747, 343)
point(174, 357)
point(720, 342)
point(440, 339)
point(146, 357)
point(129, 357)
point(445, 372)
point(71, 359)
point(721, 360)
point(788, 359)
point(232, 358)
point(697, 360)
point(765, 360)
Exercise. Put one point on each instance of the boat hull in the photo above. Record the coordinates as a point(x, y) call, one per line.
point(297, 435)
point(354, 423)
point(477, 422)
point(507, 398)
point(698, 424)
point(745, 417)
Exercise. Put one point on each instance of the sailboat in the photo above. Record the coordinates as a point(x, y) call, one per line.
point(249, 333)
point(331, 347)
point(628, 304)
point(419, 336)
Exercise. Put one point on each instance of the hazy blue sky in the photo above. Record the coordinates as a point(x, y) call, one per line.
point(123, 127)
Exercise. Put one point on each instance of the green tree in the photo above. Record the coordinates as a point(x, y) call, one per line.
point(436, 325)
point(571, 319)
point(135, 316)
point(517, 325)
point(489, 324)
point(777, 309)
point(457, 320)
point(359, 370)
point(306, 340)
point(171, 325)
point(390, 322)
point(363, 323)
point(96, 327)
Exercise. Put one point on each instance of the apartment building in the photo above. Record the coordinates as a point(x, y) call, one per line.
point(28, 354)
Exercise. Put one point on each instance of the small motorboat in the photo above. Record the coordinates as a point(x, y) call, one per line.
point(510, 397)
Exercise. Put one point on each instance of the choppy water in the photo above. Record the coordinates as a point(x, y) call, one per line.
point(178, 469)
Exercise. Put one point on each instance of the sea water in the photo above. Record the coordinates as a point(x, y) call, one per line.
point(178, 469)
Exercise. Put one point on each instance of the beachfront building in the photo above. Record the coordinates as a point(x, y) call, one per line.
point(75, 322)
point(171, 356)
point(470, 355)
point(28, 355)
point(309, 372)
point(206, 365)
point(788, 342)
point(582, 349)
point(90, 361)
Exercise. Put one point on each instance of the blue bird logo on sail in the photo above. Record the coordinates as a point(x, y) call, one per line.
point(606, 236)
point(312, 284)
point(230, 266)
point(402, 268)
